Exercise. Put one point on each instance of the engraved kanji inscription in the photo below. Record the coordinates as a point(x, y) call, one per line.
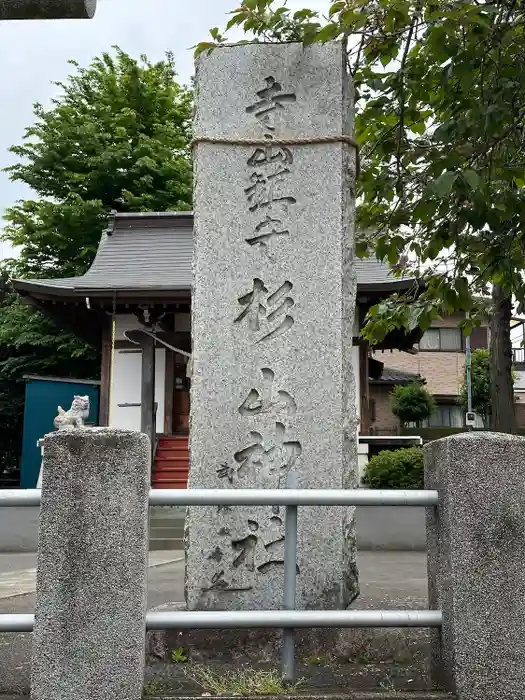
point(269, 190)
point(271, 458)
point(253, 552)
point(266, 230)
point(267, 155)
point(267, 398)
point(271, 98)
point(267, 314)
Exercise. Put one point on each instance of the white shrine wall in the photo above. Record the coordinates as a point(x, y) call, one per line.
point(127, 378)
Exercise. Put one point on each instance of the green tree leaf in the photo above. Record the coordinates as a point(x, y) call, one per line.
point(443, 185)
point(472, 179)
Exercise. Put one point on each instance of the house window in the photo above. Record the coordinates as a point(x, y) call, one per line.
point(446, 416)
point(444, 339)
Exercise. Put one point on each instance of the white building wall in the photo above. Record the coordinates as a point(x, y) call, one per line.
point(125, 387)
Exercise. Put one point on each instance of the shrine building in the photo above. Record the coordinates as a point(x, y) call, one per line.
point(134, 303)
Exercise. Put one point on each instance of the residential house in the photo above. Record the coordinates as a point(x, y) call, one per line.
point(440, 360)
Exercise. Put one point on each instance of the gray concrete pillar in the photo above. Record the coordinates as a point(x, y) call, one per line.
point(89, 633)
point(47, 9)
point(476, 553)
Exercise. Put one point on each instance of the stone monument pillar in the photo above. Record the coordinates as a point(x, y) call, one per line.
point(47, 9)
point(273, 311)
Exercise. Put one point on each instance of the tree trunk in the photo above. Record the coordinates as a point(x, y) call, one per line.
point(503, 418)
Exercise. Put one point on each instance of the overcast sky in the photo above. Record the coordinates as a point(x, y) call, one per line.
point(33, 54)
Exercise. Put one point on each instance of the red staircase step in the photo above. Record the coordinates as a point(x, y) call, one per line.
point(171, 464)
point(171, 474)
point(162, 465)
point(181, 484)
point(178, 455)
point(181, 458)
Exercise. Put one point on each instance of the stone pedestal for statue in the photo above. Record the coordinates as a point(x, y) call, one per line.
point(273, 311)
point(476, 549)
point(47, 9)
point(90, 612)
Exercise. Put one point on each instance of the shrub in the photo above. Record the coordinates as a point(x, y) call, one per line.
point(395, 469)
point(412, 403)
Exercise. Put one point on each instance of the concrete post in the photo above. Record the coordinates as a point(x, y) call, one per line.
point(89, 634)
point(47, 9)
point(476, 549)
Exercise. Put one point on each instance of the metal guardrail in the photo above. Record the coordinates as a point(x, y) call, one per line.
point(257, 497)
point(280, 619)
point(288, 619)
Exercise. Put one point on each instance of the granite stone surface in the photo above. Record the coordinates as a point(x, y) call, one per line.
point(47, 9)
point(89, 634)
point(476, 553)
point(273, 389)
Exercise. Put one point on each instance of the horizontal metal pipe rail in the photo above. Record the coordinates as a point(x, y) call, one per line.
point(281, 619)
point(258, 497)
point(288, 619)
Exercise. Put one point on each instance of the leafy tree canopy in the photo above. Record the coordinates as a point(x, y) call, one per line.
point(117, 137)
point(440, 102)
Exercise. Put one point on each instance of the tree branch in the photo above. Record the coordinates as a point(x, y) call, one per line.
point(413, 23)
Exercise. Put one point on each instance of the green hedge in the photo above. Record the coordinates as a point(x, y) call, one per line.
point(395, 469)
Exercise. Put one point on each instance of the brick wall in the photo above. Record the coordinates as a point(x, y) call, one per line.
point(385, 421)
point(444, 371)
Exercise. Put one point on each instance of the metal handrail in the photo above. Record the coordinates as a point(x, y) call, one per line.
point(290, 618)
point(258, 497)
point(277, 619)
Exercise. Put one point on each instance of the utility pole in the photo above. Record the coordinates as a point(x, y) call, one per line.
point(468, 379)
point(468, 368)
point(47, 9)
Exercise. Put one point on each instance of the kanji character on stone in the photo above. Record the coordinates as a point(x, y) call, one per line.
point(271, 98)
point(263, 310)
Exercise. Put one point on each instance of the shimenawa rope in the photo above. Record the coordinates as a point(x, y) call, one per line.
point(289, 141)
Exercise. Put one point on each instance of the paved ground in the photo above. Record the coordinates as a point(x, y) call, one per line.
point(18, 571)
point(387, 580)
point(166, 582)
point(18, 529)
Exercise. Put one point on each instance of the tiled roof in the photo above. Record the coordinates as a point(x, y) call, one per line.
point(397, 376)
point(373, 275)
point(153, 251)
